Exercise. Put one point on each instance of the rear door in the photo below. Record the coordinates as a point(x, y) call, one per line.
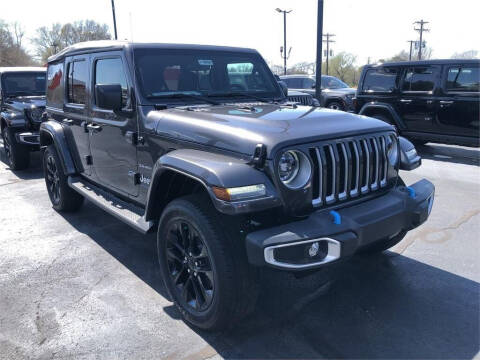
point(459, 101)
point(75, 108)
point(417, 100)
point(112, 134)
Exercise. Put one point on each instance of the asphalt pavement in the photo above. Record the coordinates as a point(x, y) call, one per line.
point(85, 285)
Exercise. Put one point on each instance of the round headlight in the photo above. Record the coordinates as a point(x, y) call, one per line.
point(294, 169)
point(392, 150)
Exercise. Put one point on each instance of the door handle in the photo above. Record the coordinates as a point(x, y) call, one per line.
point(405, 101)
point(94, 127)
point(67, 121)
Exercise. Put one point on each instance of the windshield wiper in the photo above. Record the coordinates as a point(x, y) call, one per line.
point(245, 95)
point(182, 95)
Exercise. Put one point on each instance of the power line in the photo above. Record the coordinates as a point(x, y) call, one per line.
point(328, 41)
point(420, 30)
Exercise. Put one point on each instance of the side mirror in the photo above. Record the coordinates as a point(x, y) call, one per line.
point(108, 96)
point(314, 85)
point(409, 159)
point(284, 87)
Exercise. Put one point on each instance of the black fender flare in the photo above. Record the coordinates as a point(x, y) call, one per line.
point(384, 107)
point(211, 169)
point(54, 131)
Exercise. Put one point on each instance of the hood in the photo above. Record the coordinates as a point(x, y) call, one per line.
point(24, 102)
point(237, 129)
point(342, 91)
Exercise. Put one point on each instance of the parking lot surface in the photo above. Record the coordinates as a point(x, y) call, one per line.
point(85, 285)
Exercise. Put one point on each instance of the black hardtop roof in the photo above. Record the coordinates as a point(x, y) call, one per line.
point(427, 62)
point(109, 45)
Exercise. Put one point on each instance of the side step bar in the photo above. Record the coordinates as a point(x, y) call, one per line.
point(128, 213)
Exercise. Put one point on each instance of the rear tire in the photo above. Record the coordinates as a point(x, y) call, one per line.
point(18, 155)
point(62, 196)
point(204, 265)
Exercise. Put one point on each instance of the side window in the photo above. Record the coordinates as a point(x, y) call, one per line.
point(110, 71)
point(380, 80)
point(463, 79)
point(55, 84)
point(419, 79)
point(308, 83)
point(76, 82)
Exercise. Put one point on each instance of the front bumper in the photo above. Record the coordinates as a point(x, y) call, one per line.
point(28, 138)
point(340, 234)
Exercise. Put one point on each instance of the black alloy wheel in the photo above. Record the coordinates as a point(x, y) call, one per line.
point(189, 265)
point(52, 179)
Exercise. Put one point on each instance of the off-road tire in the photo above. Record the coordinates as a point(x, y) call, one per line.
point(62, 196)
point(235, 286)
point(335, 105)
point(17, 155)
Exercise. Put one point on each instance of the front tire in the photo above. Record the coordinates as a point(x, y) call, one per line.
point(62, 196)
point(18, 155)
point(203, 265)
point(335, 105)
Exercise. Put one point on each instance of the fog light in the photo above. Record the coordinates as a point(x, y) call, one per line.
point(313, 250)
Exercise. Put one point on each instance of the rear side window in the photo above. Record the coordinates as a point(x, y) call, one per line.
point(380, 80)
point(463, 79)
point(55, 85)
point(419, 79)
point(109, 72)
point(76, 81)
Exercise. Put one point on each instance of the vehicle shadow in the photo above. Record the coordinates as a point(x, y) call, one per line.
point(34, 171)
point(450, 153)
point(387, 306)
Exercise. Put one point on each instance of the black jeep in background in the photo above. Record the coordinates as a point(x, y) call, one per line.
point(335, 93)
point(22, 103)
point(428, 101)
point(232, 176)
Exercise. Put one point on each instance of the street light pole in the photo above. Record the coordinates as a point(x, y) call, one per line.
point(318, 71)
point(285, 12)
point(114, 20)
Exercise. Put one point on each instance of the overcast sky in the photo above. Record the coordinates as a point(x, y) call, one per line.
point(366, 28)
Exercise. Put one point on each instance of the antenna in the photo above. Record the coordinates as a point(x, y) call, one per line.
point(134, 95)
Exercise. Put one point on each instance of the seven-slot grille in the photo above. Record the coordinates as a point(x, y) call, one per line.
point(302, 99)
point(350, 168)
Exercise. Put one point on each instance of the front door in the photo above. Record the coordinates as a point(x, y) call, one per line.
point(459, 104)
point(75, 109)
point(112, 134)
point(417, 101)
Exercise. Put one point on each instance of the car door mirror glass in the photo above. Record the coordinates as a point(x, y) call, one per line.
point(108, 96)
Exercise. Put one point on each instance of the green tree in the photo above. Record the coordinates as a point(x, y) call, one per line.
point(343, 67)
point(50, 40)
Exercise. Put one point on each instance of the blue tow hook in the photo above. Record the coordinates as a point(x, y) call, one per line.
point(411, 192)
point(337, 219)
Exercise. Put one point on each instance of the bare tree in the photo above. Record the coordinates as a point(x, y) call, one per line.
point(11, 51)
point(50, 40)
point(470, 54)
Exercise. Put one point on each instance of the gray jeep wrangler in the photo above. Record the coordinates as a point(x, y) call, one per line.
point(200, 144)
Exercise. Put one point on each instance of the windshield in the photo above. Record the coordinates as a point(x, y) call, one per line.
point(329, 82)
point(23, 83)
point(165, 73)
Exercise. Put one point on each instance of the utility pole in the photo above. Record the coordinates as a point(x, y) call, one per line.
point(328, 41)
point(421, 30)
point(411, 44)
point(318, 71)
point(285, 56)
point(114, 20)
